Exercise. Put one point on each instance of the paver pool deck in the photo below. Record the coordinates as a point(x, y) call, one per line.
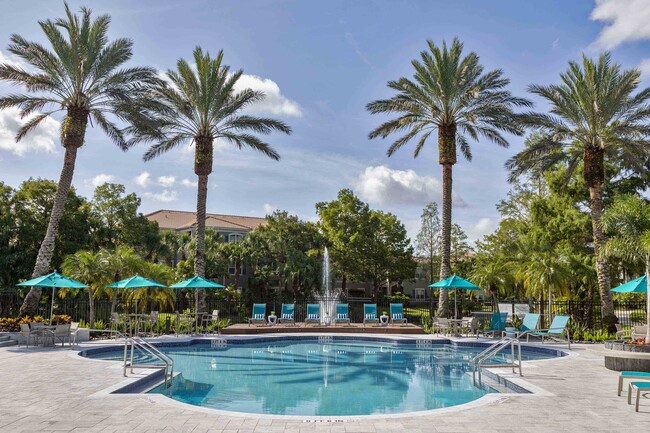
point(55, 390)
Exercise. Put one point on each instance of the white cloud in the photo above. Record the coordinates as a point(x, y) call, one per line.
point(644, 67)
point(482, 227)
point(269, 209)
point(11, 60)
point(556, 43)
point(41, 139)
point(274, 102)
point(143, 179)
point(385, 186)
point(101, 179)
point(627, 21)
point(166, 196)
point(167, 181)
point(189, 183)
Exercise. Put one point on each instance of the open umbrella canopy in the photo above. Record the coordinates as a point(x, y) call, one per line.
point(640, 285)
point(135, 282)
point(54, 280)
point(455, 282)
point(197, 282)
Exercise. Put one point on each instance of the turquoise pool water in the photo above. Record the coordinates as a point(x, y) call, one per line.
point(313, 379)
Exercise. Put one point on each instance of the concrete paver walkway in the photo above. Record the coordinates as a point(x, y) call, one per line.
point(55, 390)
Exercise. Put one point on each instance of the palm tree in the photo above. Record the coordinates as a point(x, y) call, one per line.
point(83, 78)
point(495, 274)
point(628, 221)
point(594, 117)
point(449, 93)
point(90, 268)
point(198, 107)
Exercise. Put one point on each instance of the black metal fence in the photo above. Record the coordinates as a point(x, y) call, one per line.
point(418, 312)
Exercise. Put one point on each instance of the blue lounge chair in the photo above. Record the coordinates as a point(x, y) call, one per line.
point(640, 386)
point(397, 314)
point(259, 314)
point(287, 313)
point(530, 323)
point(633, 375)
point(342, 315)
point(497, 325)
point(313, 314)
point(554, 332)
point(370, 313)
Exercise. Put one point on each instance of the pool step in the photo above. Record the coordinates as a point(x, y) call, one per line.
point(5, 341)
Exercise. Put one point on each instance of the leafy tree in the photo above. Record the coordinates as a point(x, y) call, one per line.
point(449, 93)
point(460, 249)
point(342, 221)
point(627, 222)
point(8, 227)
point(387, 254)
point(32, 204)
point(428, 239)
point(83, 77)
point(594, 117)
point(198, 107)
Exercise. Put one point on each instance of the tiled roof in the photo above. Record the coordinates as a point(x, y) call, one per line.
point(179, 220)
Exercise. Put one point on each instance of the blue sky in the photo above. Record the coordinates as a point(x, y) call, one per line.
point(320, 63)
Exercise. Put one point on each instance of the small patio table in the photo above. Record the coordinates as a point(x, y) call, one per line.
point(135, 319)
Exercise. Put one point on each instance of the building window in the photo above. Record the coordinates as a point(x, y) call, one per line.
point(235, 237)
point(419, 294)
point(232, 269)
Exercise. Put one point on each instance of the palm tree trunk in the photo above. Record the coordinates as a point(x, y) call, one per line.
point(114, 301)
point(445, 263)
point(74, 132)
point(202, 168)
point(46, 251)
point(199, 258)
point(602, 266)
point(91, 307)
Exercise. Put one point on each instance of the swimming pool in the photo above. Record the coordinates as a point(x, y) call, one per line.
point(305, 377)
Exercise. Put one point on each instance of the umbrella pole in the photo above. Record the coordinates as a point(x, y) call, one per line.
point(52, 305)
point(455, 303)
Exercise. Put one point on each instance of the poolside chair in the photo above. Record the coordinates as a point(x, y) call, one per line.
point(638, 332)
point(623, 334)
point(559, 326)
point(152, 321)
point(469, 325)
point(287, 313)
point(633, 375)
point(28, 334)
point(342, 315)
point(74, 329)
point(397, 314)
point(60, 333)
point(530, 323)
point(313, 314)
point(117, 322)
point(208, 319)
point(497, 325)
point(259, 314)
point(441, 325)
point(370, 313)
point(182, 324)
point(640, 386)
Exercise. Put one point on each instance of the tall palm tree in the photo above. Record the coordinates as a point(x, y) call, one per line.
point(82, 77)
point(594, 116)
point(628, 221)
point(198, 107)
point(450, 94)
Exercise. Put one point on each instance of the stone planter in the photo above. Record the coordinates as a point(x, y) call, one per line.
point(626, 357)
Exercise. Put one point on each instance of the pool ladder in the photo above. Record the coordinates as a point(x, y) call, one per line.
point(482, 359)
point(165, 362)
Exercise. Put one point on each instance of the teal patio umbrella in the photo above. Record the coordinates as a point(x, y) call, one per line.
point(135, 282)
point(640, 285)
point(455, 282)
point(53, 280)
point(196, 282)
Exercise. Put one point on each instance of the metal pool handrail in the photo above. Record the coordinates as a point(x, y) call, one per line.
point(479, 361)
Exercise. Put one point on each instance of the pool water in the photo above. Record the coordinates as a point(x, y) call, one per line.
point(313, 379)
